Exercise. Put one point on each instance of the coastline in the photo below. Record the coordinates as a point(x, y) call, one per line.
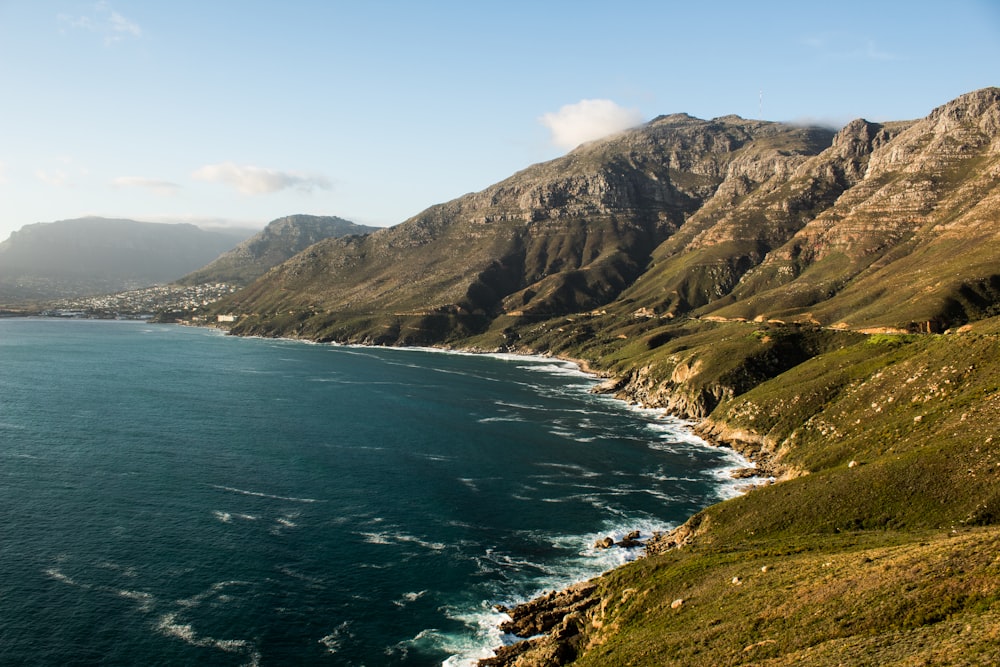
point(547, 628)
point(545, 623)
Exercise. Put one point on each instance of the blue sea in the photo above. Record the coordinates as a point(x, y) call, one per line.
point(174, 496)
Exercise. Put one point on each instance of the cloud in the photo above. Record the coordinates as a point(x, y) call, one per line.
point(104, 21)
point(162, 188)
point(844, 47)
point(587, 120)
point(58, 178)
point(258, 180)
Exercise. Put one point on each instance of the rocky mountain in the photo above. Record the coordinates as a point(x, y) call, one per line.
point(560, 237)
point(878, 225)
point(280, 240)
point(72, 258)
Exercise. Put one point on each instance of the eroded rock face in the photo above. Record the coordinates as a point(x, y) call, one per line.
point(555, 621)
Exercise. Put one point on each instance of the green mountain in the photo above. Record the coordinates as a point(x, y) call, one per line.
point(280, 240)
point(72, 258)
point(826, 303)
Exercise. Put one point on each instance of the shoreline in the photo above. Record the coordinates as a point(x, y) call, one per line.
point(545, 617)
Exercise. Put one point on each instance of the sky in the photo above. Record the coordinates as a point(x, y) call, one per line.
point(238, 112)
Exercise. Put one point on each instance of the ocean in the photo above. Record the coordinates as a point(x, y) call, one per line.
point(174, 496)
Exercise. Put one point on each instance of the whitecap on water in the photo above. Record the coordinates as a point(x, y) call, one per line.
point(169, 626)
point(260, 494)
point(584, 561)
point(407, 598)
point(336, 638)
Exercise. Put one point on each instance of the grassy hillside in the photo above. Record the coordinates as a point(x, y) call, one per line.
point(878, 547)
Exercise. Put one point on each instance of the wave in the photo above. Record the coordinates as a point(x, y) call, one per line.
point(335, 639)
point(481, 619)
point(260, 494)
point(400, 538)
point(407, 598)
point(169, 626)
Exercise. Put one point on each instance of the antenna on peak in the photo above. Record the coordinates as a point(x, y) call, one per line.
point(760, 105)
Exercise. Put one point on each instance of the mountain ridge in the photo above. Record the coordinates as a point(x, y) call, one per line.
point(680, 216)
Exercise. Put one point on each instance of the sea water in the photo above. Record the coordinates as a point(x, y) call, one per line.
point(175, 496)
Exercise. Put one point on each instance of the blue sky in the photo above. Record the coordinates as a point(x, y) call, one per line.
point(241, 111)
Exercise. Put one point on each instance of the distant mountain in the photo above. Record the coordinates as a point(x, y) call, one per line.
point(85, 256)
point(280, 240)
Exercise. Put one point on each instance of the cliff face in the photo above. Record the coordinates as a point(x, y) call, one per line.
point(913, 241)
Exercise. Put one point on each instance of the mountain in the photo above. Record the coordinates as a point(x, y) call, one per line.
point(879, 225)
point(825, 303)
point(72, 258)
point(280, 240)
point(559, 237)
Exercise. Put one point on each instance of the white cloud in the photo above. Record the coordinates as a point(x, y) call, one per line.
point(587, 120)
point(104, 21)
point(259, 180)
point(847, 47)
point(58, 178)
point(162, 188)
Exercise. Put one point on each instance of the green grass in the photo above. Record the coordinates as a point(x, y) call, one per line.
point(882, 550)
point(870, 598)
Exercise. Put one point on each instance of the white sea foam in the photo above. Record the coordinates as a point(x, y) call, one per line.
point(335, 639)
point(260, 494)
point(503, 418)
point(465, 649)
point(169, 626)
point(570, 469)
point(728, 486)
point(482, 621)
point(215, 591)
point(469, 483)
point(407, 598)
point(401, 538)
point(59, 576)
point(436, 457)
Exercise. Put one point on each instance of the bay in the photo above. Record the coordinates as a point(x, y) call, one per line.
point(174, 496)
